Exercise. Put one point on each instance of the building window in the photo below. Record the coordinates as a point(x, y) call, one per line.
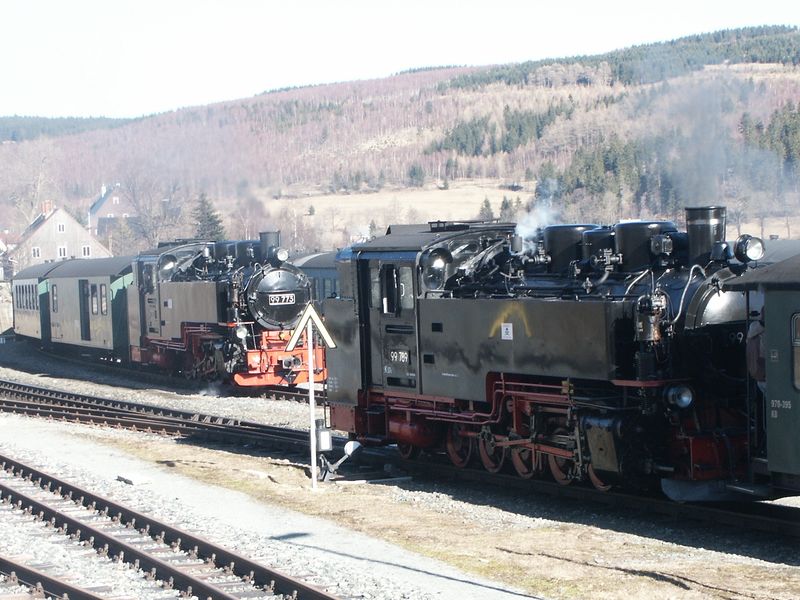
point(124, 215)
point(103, 299)
point(110, 215)
point(62, 252)
point(86, 251)
point(115, 200)
point(36, 252)
point(61, 228)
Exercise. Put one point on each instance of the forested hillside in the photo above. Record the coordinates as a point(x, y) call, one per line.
point(639, 132)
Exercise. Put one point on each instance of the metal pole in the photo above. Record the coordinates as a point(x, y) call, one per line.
point(312, 405)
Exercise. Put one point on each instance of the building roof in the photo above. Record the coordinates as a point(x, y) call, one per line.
point(98, 204)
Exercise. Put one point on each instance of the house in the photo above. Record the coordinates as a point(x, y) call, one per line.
point(106, 212)
point(53, 235)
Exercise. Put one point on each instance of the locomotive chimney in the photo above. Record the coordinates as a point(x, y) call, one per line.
point(269, 240)
point(705, 226)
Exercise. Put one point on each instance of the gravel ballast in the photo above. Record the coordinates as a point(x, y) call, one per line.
point(502, 540)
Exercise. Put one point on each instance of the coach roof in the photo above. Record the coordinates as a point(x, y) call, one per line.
point(36, 271)
point(784, 275)
point(92, 267)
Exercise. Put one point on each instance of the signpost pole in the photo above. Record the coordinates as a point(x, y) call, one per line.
point(308, 320)
point(312, 405)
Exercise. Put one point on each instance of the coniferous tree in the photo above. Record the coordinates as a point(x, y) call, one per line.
point(486, 213)
point(208, 223)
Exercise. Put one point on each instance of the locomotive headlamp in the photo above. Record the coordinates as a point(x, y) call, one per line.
point(679, 395)
point(277, 255)
point(241, 332)
point(437, 258)
point(748, 248)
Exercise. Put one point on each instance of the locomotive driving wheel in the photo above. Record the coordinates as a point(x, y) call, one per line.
point(459, 446)
point(596, 481)
point(408, 451)
point(524, 461)
point(493, 457)
point(560, 466)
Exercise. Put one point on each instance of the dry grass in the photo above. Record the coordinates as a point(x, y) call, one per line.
point(584, 556)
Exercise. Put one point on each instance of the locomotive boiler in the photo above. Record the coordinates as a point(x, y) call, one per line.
point(606, 354)
point(220, 309)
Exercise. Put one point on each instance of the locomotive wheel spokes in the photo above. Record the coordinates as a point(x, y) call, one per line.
point(459, 447)
point(493, 457)
point(408, 451)
point(524, 464)
point(560, 466)
point(596, 481)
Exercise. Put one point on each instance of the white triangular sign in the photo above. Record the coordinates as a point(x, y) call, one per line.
point(310, 313)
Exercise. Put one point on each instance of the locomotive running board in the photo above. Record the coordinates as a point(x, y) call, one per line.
point(710, 491)
point(751, 489)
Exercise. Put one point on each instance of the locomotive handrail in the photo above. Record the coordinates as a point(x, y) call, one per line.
point(685, 289)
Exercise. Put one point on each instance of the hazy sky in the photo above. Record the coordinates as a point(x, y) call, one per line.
point(126, 58)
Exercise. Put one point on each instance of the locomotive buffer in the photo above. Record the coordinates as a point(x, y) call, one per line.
point(308, 320)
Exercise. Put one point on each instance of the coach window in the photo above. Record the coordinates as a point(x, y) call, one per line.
point(54, 296)
point(103, 299)
point(796, 350)
point(94, 298)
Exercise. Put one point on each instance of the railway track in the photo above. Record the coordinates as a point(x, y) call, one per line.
point(23, 581)
point(25, 399)
point(67, 406)
point(154, 377)
point(178, 559)
point(755, 516)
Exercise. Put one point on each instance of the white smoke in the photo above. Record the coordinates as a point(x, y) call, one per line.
point(536, 219)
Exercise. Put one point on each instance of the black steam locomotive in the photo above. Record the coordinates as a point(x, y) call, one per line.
point(204, 309)
point(610, 354)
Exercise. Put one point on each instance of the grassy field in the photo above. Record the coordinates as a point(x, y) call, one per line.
point(343, 219)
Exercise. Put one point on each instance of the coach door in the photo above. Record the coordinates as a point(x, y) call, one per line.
point(83, 302)
point(393, 331)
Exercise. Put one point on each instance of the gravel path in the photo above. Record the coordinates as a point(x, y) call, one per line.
point(314, 549)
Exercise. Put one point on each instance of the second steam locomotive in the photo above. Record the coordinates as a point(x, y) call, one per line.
point(205, 309)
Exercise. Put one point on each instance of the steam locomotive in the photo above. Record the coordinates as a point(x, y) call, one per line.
point(613, 355)
point(205, 309)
